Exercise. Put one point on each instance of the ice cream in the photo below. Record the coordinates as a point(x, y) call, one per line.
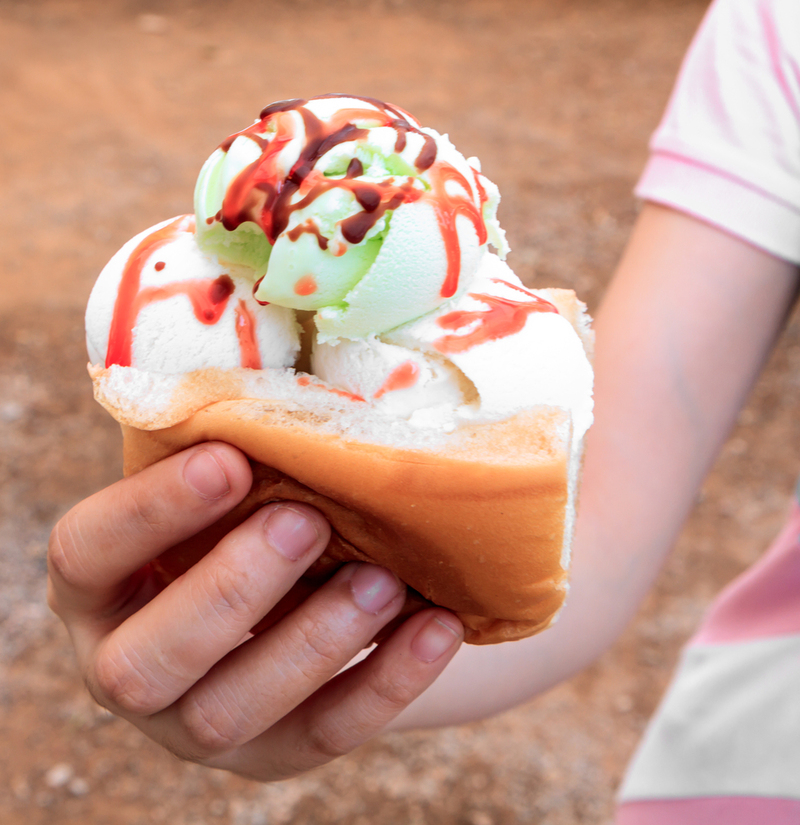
point(495, 350)
point(349, 208)
point(334, 309)
point(163, 306)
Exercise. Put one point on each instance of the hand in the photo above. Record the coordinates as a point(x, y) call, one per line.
point(180, 664)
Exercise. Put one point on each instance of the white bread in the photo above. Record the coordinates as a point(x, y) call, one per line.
point(478, 521)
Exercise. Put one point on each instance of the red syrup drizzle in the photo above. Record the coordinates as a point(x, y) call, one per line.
point(306, 285)
point(262, 194)
point(256, 285)
point(479, 186)
point(502, 317)
point(447, 207)
point(208, 298)
point(305, 381)
point(246, 333)
point(401, 377)
point(126, 307)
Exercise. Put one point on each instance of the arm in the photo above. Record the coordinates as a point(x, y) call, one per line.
point(682, 334)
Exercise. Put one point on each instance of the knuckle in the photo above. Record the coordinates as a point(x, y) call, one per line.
point(207, 730)
point(234, 597)
point(117, 684)
point(392, 692)
point(326, 741)
point(62, 555)
point(330, 738)
point(147, 511)
point(321, 648)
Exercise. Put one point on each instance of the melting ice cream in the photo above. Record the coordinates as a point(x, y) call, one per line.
point(348, 209)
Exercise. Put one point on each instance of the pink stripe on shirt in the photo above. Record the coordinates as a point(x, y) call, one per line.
point(765, 600)
point(731, 810)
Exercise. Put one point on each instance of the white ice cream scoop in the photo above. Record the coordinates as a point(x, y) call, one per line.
point(164, 306)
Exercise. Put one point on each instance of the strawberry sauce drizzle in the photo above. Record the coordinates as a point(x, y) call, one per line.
point(447, 207)
point(402, 377)
point(305, 285)
point(479, 186)
point(246, 333)
point(209, 299)
point(127, 307)
point(261, 193)
point(502, 317)
point(256, 285)
point(305, 381)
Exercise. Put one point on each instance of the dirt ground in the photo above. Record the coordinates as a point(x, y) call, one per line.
point(107, 111)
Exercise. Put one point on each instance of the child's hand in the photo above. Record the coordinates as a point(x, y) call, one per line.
point(173, 662)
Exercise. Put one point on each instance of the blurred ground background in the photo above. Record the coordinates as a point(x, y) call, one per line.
point(107, 111)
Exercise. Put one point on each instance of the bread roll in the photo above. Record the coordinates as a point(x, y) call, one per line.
point(433, 408)
point(478, 520)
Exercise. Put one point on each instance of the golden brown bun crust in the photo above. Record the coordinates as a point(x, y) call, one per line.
point(477, 527)
point(475, 524)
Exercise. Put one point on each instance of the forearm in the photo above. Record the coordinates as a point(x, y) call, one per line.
point(681, 337)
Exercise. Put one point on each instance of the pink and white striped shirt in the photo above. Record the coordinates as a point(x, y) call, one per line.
point(724, 746)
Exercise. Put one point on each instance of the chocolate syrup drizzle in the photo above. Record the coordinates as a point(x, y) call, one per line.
point(262, 194)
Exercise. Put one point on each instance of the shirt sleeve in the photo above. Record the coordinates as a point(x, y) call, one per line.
point(728, 147)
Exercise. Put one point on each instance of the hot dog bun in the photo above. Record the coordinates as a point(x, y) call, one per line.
point(478, 520)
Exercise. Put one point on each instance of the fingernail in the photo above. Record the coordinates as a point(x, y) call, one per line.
point(434, 640)
point(205, 476)
point(373, 588)
point(290, 532)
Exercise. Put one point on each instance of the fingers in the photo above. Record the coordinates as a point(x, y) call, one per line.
point(105, 539)
point(176, 666)
point(268, 676)
point(356, 705)
point(159, 652)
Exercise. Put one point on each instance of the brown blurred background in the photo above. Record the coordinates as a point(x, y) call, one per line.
point(107, 111)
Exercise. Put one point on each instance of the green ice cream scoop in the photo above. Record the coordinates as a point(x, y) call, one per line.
point(349, 207)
